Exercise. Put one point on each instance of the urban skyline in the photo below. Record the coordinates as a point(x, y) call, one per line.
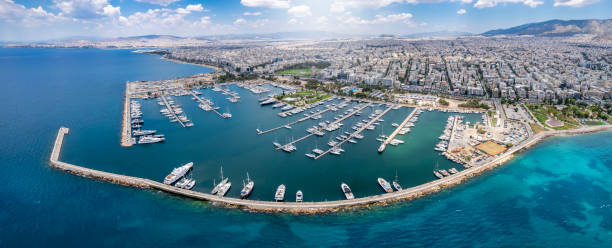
point(58, 19)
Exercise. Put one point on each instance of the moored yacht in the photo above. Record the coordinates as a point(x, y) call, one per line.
point(347, 191)
point(299, 197)
point(385, 185)
point(177, 173)
point(248, 188)
point(280, 193)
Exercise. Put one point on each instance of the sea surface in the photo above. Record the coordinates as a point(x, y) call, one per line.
point(556, 194)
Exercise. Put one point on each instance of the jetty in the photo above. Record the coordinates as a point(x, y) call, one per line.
point(307, 207)
point(332, 123)
point(204, 102)
point(171, 110)
point(356, 132)
point(126, 124)
point(308, 117)
point(392, 136)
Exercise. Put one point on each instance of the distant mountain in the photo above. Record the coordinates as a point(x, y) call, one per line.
point(437, 34)
point(601, 29)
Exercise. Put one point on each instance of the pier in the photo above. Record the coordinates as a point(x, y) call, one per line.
point(126, 125)
point(163, 97)
point(307, 207)
point(299, 120)
point(332, 123)
point(203, 102)
point(392, 136)
point(356, 132)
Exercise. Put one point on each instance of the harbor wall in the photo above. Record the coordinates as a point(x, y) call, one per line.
point(307, 207)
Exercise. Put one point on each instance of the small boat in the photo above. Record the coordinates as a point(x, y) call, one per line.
point(385, 185)
point(224, 189)
point(438, 175)
point(248, 188)
point(299, 197)
point(280, 193)
point(396, 184)
point(310, 155)
point(347, 191)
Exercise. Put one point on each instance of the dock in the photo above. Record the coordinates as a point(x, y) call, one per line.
point(356, 132)
point(203, 102)
point(163, 97)
point(392, 136)
point(307, 207)
point(299, 120)
point(335, 122)
point(126, 125)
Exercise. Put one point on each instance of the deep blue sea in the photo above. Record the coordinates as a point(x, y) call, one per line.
point(557, 194)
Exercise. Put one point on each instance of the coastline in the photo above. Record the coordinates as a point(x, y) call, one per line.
point(214, 67)
point(312, 207)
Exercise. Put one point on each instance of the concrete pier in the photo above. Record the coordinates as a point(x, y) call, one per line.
point(297, 121)
point(392, 136)
point(356, 132)
point(163, 97)
point(306, 207)
point(203, 102)
point(334, 122)
point(126, 124)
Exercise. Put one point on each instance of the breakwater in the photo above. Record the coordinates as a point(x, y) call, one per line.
point(305, 207)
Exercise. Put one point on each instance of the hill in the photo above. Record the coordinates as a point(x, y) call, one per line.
point(601, 29)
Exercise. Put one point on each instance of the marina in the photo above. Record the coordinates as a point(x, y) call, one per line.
point(303, 207)
point(398, 129)
point(335, 149)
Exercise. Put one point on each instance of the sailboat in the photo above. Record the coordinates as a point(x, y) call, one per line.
point(396, 184)
point(221, 184)
point(248, 188)
point(438, 175)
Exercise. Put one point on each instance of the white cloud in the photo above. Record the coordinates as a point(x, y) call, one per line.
point(322, 20)
point(401, 17)
point(240, 21)
point(574, 3)
point(277, 4)
point(111, 11)
point(492, 3)
point(339, 6)
point(13, 12)
point(85, 9)
point(293, 21)
point(191, 8)
point(461, 12)
point(299, 11)
point(251, 13)
point(158, 2)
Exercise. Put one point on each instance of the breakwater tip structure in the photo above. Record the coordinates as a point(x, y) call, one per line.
point(304, 207)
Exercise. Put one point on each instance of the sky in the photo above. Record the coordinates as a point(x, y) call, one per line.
point(39, 20)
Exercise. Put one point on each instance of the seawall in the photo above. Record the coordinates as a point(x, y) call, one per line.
point(306, 207)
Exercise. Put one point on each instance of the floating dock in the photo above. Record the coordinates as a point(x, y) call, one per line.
point(163, 97)
point(335, 122)
point(392, 136)
point(203, 102)
point(299, 120)
point(356, 132)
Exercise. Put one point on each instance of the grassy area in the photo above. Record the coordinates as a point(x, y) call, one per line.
point(536, 128)
point(304, 97)
point(493, 121)
point(543, 112)
point(298, 72)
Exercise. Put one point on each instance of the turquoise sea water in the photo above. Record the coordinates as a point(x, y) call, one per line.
point(557, 194)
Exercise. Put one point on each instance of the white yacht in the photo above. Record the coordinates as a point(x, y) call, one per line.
point(178, 173)
point(280, 193)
